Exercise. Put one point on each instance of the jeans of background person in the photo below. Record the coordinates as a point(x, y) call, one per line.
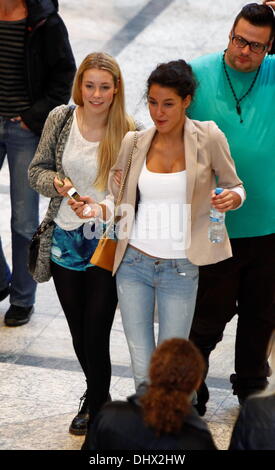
point(249, 278)
point(89, 301)
point(20, 145)
point(142, 280)
point(5, 274)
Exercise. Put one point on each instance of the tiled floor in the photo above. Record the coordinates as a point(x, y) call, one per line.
point(41, 381)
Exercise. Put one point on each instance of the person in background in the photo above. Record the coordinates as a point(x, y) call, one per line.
point(174, 169)
point(37, 69)
point(271, 5)
point(160, 416)
point(79, 151)
point(255, 425)
point(236, 90)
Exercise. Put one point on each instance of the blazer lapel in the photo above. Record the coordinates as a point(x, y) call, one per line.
point(191, 148)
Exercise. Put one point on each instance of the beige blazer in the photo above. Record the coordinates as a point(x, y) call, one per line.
point(207, 156)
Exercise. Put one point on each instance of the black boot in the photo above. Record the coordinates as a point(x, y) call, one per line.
point(78, 425)
point(87, 440)
point(202, 397)
point(244, 387)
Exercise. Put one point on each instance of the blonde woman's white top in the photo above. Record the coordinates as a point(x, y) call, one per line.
point(80, 164)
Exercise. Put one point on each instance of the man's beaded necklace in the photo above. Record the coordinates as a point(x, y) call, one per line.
point(238, 100)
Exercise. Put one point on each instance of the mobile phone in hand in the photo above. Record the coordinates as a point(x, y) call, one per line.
point(73, 194)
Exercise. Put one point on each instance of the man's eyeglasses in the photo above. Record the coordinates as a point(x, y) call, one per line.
point(256, 47)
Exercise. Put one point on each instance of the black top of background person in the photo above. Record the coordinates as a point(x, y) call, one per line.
point(49, 65)
point(40, 9)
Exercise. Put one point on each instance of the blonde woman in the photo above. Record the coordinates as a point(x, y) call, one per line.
point(78, 147)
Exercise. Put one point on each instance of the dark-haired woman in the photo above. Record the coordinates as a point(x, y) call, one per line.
point(159, 417)
point(175, 167)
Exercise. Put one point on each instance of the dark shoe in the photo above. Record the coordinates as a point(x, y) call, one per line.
point(241, 401)
point(202, 399)
point(245, 387)
point(201, 409)
point(79, 424)
point(4, 293)
point(17, 316)
point(85, 445)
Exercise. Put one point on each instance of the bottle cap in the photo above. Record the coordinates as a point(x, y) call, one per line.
point(218, 190)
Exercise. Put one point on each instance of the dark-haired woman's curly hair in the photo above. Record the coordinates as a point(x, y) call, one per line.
point(176, 371)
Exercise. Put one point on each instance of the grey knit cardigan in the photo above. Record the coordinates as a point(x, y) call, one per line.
point(46, 164)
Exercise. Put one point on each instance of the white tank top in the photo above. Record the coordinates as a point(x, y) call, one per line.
point(162, 224)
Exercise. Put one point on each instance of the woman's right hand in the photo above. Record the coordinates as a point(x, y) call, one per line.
point(62, 186)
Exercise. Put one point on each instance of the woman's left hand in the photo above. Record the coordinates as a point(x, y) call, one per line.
point(226, 201)
point(85, 207)
point(118, 177)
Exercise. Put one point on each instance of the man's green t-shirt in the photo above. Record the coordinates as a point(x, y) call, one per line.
point(252, 143)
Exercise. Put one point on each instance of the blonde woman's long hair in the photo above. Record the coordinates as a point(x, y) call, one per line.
point(118, 122)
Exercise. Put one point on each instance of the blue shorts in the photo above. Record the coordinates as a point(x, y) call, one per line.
point(72, 249)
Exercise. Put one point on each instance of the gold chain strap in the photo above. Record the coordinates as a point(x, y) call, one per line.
point(122, 186)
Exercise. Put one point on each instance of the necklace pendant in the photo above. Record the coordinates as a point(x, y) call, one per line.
point(239, 111)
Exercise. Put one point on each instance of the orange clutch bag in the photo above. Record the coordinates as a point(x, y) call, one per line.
point(104, 254)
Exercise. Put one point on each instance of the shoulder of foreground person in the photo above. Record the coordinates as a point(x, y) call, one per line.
point(255, 426)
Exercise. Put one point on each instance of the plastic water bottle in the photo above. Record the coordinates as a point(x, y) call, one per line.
point(216, 228)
